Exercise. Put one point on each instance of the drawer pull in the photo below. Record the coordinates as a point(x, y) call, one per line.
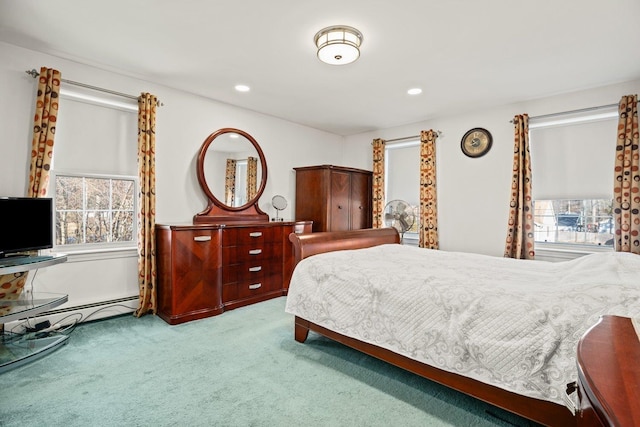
point(202, 238)
point(258, 268)
point(256, 234)
point(255, 286)
point(255, 251)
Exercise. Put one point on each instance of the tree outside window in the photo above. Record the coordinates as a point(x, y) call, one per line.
point(94, 210)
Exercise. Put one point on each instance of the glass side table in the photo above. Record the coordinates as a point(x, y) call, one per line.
point(16, 350)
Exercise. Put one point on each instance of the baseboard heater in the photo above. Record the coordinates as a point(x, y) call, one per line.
point(88, 306)
point(66, 316)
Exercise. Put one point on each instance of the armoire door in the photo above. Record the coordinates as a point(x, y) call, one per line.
point(360, 201)
point(340, 217)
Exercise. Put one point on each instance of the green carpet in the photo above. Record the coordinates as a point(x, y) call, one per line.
point(242, 368)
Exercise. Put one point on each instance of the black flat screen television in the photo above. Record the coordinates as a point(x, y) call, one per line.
point(26, 224)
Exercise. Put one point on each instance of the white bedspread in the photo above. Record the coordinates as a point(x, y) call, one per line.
point(511, 323)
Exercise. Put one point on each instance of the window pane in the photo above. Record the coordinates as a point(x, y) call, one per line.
point(98, 227)
point(68, 192)
point(585, 222)
point(123, 226)
point(98, 193)
point(69, 228)
point(123, 197)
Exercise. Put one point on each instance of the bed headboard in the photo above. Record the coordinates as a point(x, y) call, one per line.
point(306, 245)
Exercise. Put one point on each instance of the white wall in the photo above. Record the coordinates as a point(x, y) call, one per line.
point(183, 123)
point(473, 194)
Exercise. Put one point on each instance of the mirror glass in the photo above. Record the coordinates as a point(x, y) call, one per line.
point(232, 169)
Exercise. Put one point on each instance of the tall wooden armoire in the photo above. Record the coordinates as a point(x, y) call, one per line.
point(335, 198)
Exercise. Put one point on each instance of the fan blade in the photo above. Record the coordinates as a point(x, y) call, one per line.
point(409, 217)
point(405, 225)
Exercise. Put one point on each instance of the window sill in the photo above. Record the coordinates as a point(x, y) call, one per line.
point(560, 252)
point(410, 239)
point(81, 255)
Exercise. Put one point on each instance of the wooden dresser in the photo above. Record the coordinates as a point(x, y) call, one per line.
point(609, 374)
point(231, 255)
point(205, 269)
point(335, 198)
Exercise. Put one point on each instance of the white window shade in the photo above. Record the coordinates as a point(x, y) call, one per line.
point(403, 172)
point(573, 158)
point(92, 138)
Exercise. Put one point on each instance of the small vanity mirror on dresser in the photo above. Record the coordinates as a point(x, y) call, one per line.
point(231, 255)
point(232, 173)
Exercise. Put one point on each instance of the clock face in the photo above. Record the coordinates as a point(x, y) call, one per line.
point(476, 142)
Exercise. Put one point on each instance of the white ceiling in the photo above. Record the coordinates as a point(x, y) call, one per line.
point(464, 54)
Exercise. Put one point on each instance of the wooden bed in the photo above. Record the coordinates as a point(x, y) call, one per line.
point(306, 245)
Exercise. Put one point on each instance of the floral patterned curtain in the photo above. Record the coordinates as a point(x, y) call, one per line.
point(44, 130)
point(230, 183)
point(252, 177)
point(626, 189)
point(520, 239)
point(11, 286)
point(428, 235)
point(378, 183)
point(147, 278)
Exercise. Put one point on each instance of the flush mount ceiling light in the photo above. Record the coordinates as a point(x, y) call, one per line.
point(338, 45)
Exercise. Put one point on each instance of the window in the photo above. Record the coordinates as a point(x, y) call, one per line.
point(584, 222)
point(241, 183)
point(95, 210)
point(402, 170)
point(94, 173)
point(572, 159)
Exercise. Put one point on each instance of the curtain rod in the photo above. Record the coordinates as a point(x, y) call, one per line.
point(33, 73)
point(408, 137)
point(580, 110)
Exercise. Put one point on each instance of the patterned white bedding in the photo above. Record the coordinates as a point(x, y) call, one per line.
point(514, 324)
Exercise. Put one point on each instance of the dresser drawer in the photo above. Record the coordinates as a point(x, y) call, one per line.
point(251, 253)
point(244, 273)
point(251, 235)
point(243, 290)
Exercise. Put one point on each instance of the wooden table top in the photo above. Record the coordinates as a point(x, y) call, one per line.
point(609, 370)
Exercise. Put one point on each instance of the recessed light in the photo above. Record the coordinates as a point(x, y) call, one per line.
point(414, 91)
point(243, 88)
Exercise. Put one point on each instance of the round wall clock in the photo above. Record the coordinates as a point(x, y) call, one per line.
point(476, 142)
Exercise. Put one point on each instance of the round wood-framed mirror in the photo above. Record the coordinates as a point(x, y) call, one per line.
point(232, 173)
